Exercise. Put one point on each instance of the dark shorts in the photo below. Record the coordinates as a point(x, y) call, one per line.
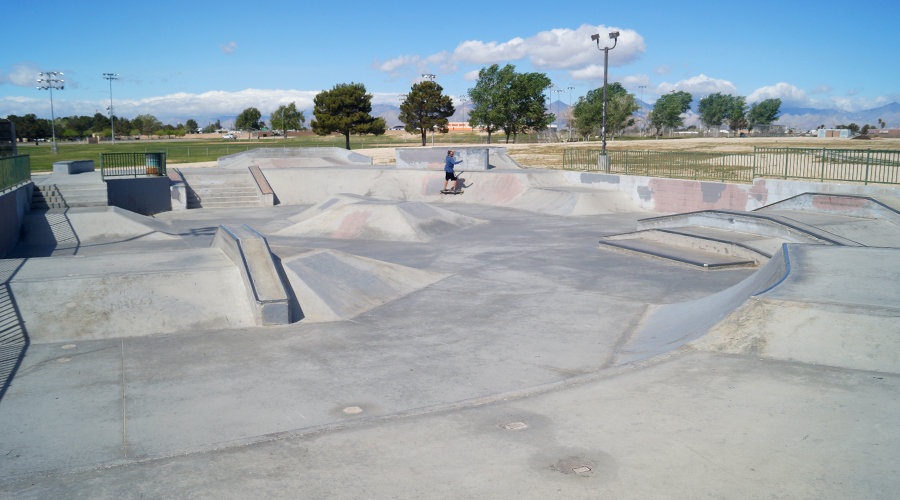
point(449, 176)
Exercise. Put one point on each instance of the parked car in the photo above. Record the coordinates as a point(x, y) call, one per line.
point(229, 136)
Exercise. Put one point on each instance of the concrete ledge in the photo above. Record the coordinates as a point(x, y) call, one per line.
point(434, 158)
point(263, 190)
point(73, 167)
point(178, 189)
point(250, 253)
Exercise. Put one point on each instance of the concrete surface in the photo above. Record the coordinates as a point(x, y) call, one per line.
point(360, 217)
point(142, 195)
point(14, 205)
point(508, 359)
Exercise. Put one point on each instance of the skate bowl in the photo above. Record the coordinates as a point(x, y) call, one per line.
point(537, 191)
point(348, 216)
point(816, 304)
point(330, 285)
point(473, 158)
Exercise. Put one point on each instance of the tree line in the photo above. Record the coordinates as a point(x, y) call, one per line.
point(30, 126)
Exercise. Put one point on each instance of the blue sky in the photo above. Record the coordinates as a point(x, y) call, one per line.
point(180, 60)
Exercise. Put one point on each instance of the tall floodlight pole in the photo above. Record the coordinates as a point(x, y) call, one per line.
point(569, 127)
point(464, 98)
point(112, 125)
point(49, 80)
point(558, 110)
point(615, 38)
point(642, 87)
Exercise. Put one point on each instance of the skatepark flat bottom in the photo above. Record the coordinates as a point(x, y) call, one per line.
point(502, 379)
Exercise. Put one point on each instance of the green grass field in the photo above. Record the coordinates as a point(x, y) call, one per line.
point(182, 151)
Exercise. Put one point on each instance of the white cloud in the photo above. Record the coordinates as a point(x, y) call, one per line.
point(590, 73)
point(228, 48)
point(662, 69)
point(556, 49)
point(23, 74)
point(821, 89)
point(698, 85)
point(791, 96)
point(471, 76)
point(180, 106)
point(632, 82)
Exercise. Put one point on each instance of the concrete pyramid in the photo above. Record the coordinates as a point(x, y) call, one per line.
point(348, 216)
point(329, 285)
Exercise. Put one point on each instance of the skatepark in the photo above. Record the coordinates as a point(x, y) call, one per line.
point(305, 324)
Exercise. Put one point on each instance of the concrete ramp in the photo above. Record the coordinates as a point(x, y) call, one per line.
point(329, 285)
point(574, 201)
point(669, 326)
point(348, 216)
point(838, 306)
point(73, 228)
point(68, 298)
point(276, 157)
point(871, 207)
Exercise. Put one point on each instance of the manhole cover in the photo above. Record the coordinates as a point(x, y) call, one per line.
point(574, 465)
point(512, 424)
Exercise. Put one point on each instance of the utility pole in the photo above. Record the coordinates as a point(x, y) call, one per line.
point(49, 81)
point(644, 122)
point(112, 125)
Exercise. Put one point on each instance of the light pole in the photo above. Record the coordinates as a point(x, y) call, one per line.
point(568, 126)
point(50, 82)
point(615, 37)
point(644, 122)
point(112, 125)
point(557, 111)
point(464, 98)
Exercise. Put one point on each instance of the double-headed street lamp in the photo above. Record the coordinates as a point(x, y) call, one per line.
point(642, 87)
point(49, 80)
point(558, 110)
point(615, 37)
point(464, 98)
point(112, 125)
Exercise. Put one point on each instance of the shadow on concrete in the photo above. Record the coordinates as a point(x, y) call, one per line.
point(293, 303)
point(14, 339)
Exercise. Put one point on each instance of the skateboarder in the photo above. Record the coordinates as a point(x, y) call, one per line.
point(448, 171)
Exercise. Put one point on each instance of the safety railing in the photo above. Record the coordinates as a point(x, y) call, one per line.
point(132, 164)
point(677, 165)
point(14, 170)
point(834, 165)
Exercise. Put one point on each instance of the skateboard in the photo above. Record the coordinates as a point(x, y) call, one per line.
point(450, 191)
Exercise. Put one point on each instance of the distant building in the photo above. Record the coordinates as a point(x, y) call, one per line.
point(884, 132)
point(462, 126)
point(834, 132)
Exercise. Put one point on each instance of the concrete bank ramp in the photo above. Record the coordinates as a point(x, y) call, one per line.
point(669, 326)
point(329, 285)
point(72, 228)
point(838, 306)
point(538, 191)
point(126, 295)
point(279, 157)
point(348, 216)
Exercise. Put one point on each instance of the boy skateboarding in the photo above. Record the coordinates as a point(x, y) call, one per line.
point(448, 173)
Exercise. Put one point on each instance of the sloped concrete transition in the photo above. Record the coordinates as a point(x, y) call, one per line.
point(453, 346)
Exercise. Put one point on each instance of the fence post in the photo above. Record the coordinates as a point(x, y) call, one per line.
point(868, 152)
point(753, 167)
point(785, 162)
point(626, 159)
point(189, 151)
point(822, 179)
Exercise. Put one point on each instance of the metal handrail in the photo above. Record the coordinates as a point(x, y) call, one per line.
point(132, 164)
point(14, 169)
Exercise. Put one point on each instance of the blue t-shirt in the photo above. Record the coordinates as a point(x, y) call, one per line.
point(448, 165)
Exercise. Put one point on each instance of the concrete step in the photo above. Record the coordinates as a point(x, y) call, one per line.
point(43, 205)
point(235, 191)
point(65, 197)
point(230, 204)
point(225, 199)
point(692, 256)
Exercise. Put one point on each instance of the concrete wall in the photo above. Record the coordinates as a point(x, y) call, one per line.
point(341, 153)
point(14, 204)
point(434, 158)
point(143, 195)
point(678, 195)
point(178, 189)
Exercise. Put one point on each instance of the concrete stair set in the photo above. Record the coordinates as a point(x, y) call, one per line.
point(220, 189)
point(717, 239)
point(70, 196)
